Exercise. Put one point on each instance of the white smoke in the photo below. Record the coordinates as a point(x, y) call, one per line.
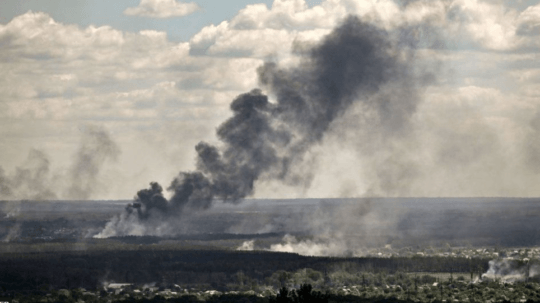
point(11, 209)
point(14, 233)
point(124, 224)
point(247, 245)
point(348, 229)
point(312, 247)
point(510, 270)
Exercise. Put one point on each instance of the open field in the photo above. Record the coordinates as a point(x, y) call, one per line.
point(422, 222)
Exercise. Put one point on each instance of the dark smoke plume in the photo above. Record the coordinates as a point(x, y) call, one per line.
point(95, 149)
point(265, 140)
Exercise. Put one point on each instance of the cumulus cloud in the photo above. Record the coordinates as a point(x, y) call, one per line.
point(61, 76)
point(88, 64)
point(140, 84)
point(490, 25)
point(262, 31)
point(529, 21)
point(286, 15)
point(162, 9)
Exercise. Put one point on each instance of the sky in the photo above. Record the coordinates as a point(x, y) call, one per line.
point(99, 98)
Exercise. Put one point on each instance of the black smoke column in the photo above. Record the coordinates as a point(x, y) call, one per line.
point(264, 140)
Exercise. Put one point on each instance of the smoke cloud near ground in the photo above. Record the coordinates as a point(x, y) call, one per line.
point(357, 66)
point(35, 179)
point(313, 247)
point(348, 229)
point(510, 270)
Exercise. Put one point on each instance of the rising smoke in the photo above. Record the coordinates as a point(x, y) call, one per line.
point(35, 180)
point(532, 147)
point(356, 64)
point(346, 229)
point(95, 149)
point(510, 270)
point(31, 180)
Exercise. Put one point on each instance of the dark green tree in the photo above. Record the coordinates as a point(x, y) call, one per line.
point(304, 294)
point(282, 296)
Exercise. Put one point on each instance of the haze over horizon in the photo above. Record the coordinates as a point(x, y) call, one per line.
point(100, 99)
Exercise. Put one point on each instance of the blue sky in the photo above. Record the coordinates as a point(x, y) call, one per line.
point(104, 12)
point(157, 86)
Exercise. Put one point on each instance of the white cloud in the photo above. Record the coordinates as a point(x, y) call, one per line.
point(57, 76)
point(162, 9)
point(491, 25)
point(419, 12)
point(259, 31)
point(46, 60)
point(287, 14)
point(146, 88)
point(529, 21)
point(222, 41)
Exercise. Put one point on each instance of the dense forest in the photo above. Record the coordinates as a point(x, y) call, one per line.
point(154, 274)
point(47, 258)
point(89, 270)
